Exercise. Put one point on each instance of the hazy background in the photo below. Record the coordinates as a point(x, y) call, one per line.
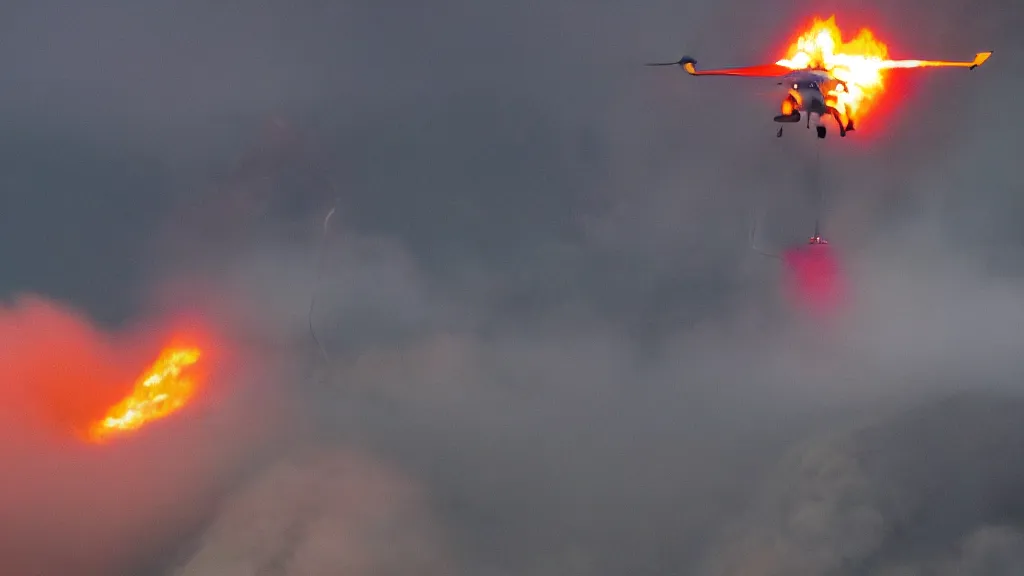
point(551, 349)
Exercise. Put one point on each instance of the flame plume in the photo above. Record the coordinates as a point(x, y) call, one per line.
point(859, 65)
point(161, 390)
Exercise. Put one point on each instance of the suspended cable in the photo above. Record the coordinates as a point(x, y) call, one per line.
point(317, 279)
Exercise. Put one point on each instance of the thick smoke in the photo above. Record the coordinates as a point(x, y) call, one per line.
point(550, 349)
point(317, 514)
point(68, 505)
point(915, 494)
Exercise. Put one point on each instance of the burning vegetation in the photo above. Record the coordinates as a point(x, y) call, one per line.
point(163, 389)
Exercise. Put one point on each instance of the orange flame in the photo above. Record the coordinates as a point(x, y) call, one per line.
point(857, 67)
point(161, 390)
point(858, 63)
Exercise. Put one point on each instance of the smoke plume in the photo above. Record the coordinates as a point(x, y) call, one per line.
point(69, 505)
point(547, 345)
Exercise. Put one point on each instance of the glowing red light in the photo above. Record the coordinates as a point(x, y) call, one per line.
point(815, 278)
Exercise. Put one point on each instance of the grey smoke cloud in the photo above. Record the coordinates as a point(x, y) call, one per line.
point(70, 504)
point(318, 514)
point(539, 299)
point(909, 495)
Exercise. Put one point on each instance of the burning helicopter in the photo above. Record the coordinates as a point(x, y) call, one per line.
point(826, 77)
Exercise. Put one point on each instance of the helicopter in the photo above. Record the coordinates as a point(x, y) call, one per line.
point(814, 91)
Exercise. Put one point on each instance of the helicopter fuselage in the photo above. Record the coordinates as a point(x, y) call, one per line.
point(807, 92)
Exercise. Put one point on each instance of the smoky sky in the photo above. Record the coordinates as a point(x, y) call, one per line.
point(550, 347)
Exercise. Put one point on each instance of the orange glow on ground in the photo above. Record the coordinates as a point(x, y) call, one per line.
point(164, 388)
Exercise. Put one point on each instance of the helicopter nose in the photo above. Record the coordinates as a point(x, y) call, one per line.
point(813, 101)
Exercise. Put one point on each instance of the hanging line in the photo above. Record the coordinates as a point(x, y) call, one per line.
point(317, 278)
point(820, 187)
